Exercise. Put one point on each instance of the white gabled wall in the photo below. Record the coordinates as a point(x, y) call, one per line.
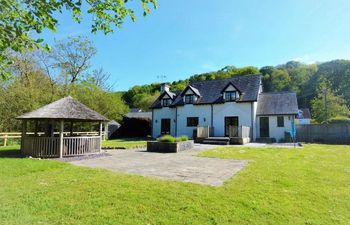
point(220, 111)
point(158, 115)
point(203, 112)
point(276, 132)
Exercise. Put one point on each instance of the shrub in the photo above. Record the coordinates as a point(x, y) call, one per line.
point(171, 139)
point(167, 138)
point(339, 119)
point(183, 138)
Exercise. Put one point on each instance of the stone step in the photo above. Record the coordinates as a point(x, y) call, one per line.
point(216, 142)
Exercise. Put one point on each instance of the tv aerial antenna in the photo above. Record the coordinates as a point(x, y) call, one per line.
point(161, 78)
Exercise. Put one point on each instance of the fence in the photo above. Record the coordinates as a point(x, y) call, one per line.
point(5, 137)
point(48, 147)
point(239, 131)
point(204, 132)
point(324, 133)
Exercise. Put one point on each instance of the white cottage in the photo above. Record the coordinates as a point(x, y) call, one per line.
point(234, 107)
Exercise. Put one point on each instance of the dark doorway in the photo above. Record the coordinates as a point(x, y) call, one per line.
point(231, 121)
point(165, 126)
point(264, 127)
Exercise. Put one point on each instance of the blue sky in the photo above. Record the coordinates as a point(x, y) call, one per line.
point(186, 37)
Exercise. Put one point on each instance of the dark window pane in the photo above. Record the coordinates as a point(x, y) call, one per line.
point(192, 121)
point(189, 99)
point(280, 121)
point(230, 96)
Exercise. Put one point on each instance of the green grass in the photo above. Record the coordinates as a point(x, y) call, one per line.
point(125, 143)
point(279, 186)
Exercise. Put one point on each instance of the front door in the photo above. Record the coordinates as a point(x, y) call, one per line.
point(231, 121)
point(264, 127)
point(165, 126)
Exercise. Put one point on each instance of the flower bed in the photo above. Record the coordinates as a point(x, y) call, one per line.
point(168, 144)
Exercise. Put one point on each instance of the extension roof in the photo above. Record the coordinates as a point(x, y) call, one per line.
point(66, 109)
point(281, 103)
point(139, 115)
point(209, 91)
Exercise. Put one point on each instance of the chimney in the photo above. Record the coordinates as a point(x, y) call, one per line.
point(164, 87)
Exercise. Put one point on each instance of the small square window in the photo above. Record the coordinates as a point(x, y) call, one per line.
point(189, 99)
point(166, 102)
point(280, 121)
point(230, 96)
point(192, 121)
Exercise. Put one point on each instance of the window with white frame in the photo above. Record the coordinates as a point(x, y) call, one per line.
point(189, 99)
point(231, 96)
point(166, 102)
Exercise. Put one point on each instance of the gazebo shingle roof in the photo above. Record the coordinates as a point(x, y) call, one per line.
point(67, 109)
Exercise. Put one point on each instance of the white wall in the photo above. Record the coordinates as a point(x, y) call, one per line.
point(158, 115)
point(203, 112)
point(302, 121)
point(220, 111)
point(276, 132)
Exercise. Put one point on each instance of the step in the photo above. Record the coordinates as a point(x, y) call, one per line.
point(216, 142)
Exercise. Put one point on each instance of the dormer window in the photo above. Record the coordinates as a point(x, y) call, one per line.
point(189, 99)
point(166, 102)
point(231, 96)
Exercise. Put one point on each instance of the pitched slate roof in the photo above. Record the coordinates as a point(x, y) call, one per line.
point(158, 104)
point(210, 90)
point(282, 103)
point(304, 114)
point(139, 115)
point(67, 109)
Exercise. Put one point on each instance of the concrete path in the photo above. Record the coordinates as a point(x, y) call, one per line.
point(183, 166)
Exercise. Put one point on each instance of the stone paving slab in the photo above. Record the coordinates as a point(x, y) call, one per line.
point(182, 166)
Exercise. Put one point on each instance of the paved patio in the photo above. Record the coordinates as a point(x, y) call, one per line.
point(183, 166)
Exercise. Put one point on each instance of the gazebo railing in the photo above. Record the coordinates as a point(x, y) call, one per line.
point(48, 147)
point(73, 146)
point(45, 147)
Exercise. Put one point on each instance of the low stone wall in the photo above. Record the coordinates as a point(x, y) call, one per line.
point(239, 140)
point(166, 147)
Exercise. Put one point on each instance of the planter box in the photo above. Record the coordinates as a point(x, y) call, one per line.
point(166, 147)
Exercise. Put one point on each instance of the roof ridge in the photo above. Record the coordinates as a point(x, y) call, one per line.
point(278, 92)
point(228, 78)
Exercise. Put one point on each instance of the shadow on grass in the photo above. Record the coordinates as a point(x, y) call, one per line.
point(10, 152)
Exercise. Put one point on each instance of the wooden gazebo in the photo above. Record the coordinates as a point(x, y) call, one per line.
point(53, 141)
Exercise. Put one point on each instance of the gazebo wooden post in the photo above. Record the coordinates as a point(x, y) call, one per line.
point(36, 128)
point(100, 134)
point(61, 139)
point(24, 134)
point(106, 132)
point(71, 128)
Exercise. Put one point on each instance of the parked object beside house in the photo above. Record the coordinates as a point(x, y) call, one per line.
point(303, 117)
point(234, 110)
point(112, 129)
point(136, 124)
point(56, 118)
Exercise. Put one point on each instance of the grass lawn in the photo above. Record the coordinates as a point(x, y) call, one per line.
point(125, 143)
point(279, 186)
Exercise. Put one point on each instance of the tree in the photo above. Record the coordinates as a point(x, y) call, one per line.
point(327, 105)
point(73, 57)
point(280, 80)
point(108, 104)
point(20, 18)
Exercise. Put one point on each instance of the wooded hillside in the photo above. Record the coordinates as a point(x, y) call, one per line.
point(313, 83)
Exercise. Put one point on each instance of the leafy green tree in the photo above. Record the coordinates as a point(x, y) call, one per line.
point(20, 18)
point(73, 58)
point(280, 80)
point(327, 105)
point(107, 103)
